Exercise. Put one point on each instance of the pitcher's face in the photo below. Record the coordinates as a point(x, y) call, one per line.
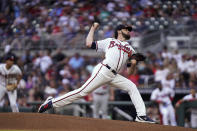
point(126, 34)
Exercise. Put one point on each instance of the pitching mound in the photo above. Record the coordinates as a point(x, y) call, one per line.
point(35, 121)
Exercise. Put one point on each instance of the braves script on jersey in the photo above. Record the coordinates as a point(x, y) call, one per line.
point(116, 52)
point(116, 55)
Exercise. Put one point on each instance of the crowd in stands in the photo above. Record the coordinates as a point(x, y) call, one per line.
point(25, 23)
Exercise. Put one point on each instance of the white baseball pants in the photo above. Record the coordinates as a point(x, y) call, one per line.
point(100, 76)
point(12, 96)
point(168, 114)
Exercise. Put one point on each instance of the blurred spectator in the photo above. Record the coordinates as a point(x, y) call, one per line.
point(20, 20)
point(45, 61)
point(76, 61)
point(134, 78)
point(177, 56)
point(161, 72)
point(58, 55)
point(50, 90)
point(165, 53)
point(191, 65)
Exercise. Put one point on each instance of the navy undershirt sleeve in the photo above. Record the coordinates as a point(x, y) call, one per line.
point(93, 45)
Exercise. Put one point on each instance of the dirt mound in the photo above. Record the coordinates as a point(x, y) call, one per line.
point(35, 121)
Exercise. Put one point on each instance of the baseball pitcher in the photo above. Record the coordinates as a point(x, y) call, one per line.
point(118, 52)
point(10, 75)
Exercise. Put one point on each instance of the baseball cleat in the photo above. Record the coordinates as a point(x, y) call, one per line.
point(145, 119)
point(46, 105)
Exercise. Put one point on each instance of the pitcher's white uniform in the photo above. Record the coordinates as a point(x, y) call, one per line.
point(165, 106)
point(117, 54)
point(9, 76)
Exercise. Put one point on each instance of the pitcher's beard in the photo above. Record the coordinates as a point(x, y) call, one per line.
point(126, 36)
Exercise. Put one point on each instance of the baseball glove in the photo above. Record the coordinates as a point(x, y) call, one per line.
point(138, 57)
point(11, 87)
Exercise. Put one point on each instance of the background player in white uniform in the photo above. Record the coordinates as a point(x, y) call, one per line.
point(10, 75)
point(101, 97)
point(191, 97)
point(163, 97)
point(117, 54)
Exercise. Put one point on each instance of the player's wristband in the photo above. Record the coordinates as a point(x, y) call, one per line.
point(93, 46)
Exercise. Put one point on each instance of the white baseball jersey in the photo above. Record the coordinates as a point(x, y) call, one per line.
point(163, 95)
point(8, 76)
point(117, 54)
point(116, 59)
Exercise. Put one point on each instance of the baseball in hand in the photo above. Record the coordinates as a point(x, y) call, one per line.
point(95, 25)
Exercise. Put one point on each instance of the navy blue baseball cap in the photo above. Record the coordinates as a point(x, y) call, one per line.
point(120, 27)
point(10, 57)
